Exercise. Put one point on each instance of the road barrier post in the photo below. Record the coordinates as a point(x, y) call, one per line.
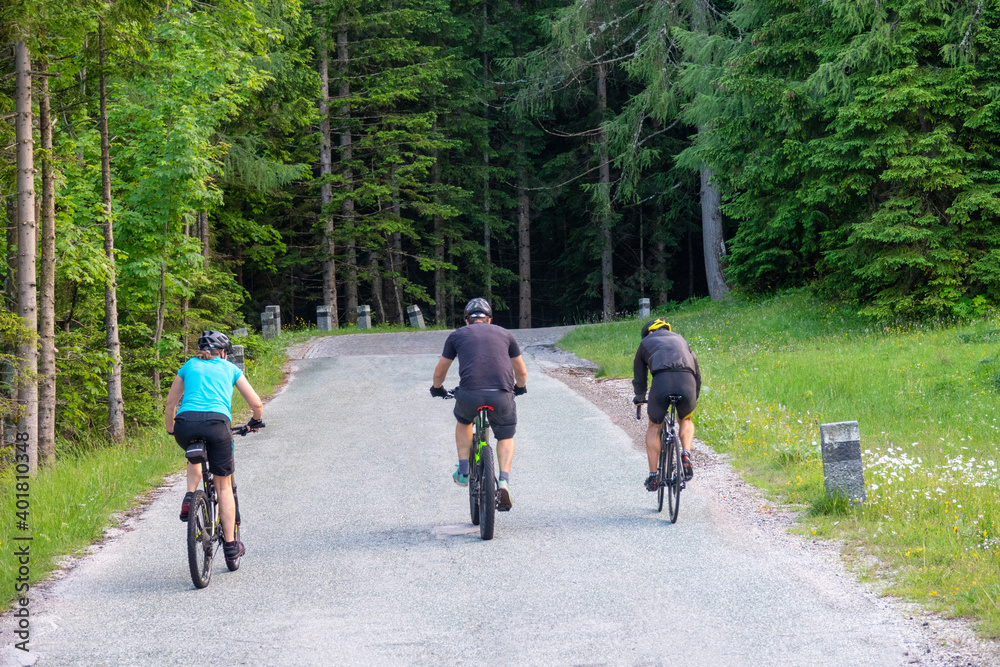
point(276, 310)
point(267, 330)
point(364, 317)
point(842, 469)
point(241, 332)
point(323, 318)
point(643, 309)
point(237, 357)
point(416, 317)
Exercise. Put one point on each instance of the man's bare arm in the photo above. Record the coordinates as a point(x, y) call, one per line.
point(441, 371)
point(520, 371)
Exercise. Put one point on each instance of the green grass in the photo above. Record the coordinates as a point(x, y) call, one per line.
point(925, 397)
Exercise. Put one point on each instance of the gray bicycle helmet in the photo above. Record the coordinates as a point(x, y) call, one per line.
point(214, 340)
point(478, 308)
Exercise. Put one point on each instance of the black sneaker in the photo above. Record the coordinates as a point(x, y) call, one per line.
point(233, 550)
point(186, 506)
point(651, 483)
point(686, 462)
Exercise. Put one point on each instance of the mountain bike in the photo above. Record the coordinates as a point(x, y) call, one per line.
point(484, 498)
point(670, 470)
point(204, 526)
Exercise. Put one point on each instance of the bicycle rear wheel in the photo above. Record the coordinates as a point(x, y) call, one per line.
point(487, 493)
point(475, 474)
point(675, 475)
point(200, 539)
point(661, 473)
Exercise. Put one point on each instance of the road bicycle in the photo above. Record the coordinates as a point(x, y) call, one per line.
point(204, 527)
point(670, 470)
point(484, 498)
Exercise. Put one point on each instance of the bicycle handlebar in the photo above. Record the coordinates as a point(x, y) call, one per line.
point(243, 430)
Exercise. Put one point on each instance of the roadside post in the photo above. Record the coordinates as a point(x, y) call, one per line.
point(364, 317)
point(276, 310)
point(843, 472)
point(643, 309)
point(237, 357)
point(323, 318)
point(267, 329)
point(416, 317)
point(241, 332)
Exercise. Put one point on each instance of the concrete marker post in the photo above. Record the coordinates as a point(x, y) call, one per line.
point(241, 332)
point(416, 317)
point(364, 317)
point(843, 471)
point(277, 318)
point(644, 309)
point(267, 325)
point(323, 318)
point(238, 358)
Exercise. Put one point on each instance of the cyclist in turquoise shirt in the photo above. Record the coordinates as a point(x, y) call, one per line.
point(204, 389)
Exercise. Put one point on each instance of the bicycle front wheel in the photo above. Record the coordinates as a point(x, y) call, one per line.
point(487, 493)
point(675, 475)
point(200, 539)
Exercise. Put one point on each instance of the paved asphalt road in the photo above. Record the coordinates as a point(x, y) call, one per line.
point(360, 550)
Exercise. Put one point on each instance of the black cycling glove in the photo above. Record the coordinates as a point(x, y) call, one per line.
point(639, 400)
point(439, 392)
point(520, 391)
point(255, 423)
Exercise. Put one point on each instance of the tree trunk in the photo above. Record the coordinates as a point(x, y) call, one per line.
point(661, 272)
point(440, 307)
point(116, 405)
point(376, 280)
point(326, 188)
point(488, 268)
point(47, 302)
point(604, 172)
point(346, 154)
point(203, 233)
point(27, 423)
point(161, 313)
point(523, 249)
point(714, 246)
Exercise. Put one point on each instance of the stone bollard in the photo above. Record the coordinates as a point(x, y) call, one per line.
point(237, 357)
point(323, 318)
point(364, 317)
point(416, 317)
point(277, 318)
point(241, 333)
point(842, 469)
point(643, 309)
point(267, 328)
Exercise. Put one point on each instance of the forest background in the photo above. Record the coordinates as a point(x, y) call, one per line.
point(169, 167)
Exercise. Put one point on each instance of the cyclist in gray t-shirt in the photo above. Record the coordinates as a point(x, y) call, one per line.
point(491, 372)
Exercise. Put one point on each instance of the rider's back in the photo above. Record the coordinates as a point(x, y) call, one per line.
point(484, 352)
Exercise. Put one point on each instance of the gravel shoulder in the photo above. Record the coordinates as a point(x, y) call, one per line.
point(751, 516)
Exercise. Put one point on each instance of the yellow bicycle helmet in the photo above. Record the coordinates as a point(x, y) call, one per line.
point(654, 325)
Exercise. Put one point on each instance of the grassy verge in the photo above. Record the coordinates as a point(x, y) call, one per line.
point(925, 397)
point(73, 502)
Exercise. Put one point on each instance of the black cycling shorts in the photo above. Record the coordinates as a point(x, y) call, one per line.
point(215, 429)
point(671, 382)
point(503, 417)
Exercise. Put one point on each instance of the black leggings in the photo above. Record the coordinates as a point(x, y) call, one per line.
point(214, 428)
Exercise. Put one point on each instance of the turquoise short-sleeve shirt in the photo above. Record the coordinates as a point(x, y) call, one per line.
point(208, 385)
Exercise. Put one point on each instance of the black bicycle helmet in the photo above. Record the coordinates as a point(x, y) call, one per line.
point(215, 340)
point(478, 308)
point(654, 325)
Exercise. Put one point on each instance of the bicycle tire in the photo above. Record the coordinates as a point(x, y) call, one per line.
point(475, 474)
point(200, 539)
point(487, 494)
point(661, 473)
point(676, 477)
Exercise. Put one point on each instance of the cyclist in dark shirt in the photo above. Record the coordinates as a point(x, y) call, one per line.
point(491, 372)
point(675, 371)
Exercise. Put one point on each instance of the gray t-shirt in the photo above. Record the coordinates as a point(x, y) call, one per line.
point(484, 352)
